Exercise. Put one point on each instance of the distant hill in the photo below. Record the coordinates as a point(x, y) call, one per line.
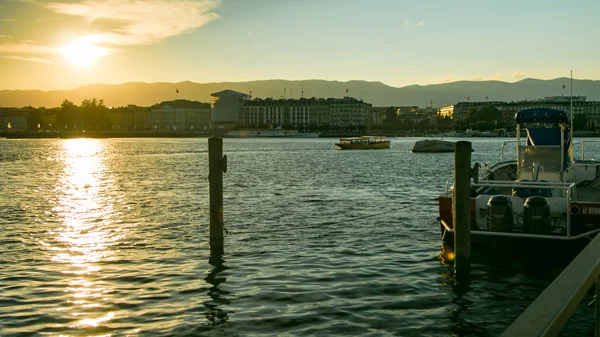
point(376, 93)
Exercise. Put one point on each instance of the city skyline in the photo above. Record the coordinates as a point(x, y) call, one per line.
point(50, 45)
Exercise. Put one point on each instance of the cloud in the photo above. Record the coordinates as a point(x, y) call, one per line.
point(138, 23)
point(25, 50)
point(449, 79)
point(406, 22)
point(421, 24)
point(30, 59)
point(25, 47)
point(518, 75)
point(131, 23)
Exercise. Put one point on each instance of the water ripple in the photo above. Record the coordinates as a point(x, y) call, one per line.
point(110, 237)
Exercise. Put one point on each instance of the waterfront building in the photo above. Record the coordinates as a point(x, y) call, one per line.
point(179, 115)
point(121, 119)
point(589, 109)
point(446, 111)
point(349, 112)
point(302, 113)
point(227, 108)
point(141, 118)
point(13, 119)
point(461, 109)
point(378, 115)
point(415, 114)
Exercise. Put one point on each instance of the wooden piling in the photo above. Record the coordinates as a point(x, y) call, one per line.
point(461, 207)
point(597, 308)
point(217, 165)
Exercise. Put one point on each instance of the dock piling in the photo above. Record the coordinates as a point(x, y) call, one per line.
point(461, 207)
point(217, 164)
point(597, 307)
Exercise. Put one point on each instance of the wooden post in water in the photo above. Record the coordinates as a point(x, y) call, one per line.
point(461, 207)
point(597, 308)
point(217, 164)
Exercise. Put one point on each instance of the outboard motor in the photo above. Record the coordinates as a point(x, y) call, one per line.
point(500, 214)
point(536, 215)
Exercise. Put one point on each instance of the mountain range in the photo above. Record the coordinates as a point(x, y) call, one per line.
point(376, 93)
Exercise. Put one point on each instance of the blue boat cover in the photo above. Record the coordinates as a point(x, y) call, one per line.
point(545, 136)
point(541, 115)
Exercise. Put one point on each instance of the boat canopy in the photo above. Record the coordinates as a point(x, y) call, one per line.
point(544, 146)
point(541, 115)
point(546, 136)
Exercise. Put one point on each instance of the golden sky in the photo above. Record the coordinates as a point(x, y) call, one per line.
point(63, 44)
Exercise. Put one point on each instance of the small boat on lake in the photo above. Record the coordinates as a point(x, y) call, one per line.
point(543, 198)
point(363, 143)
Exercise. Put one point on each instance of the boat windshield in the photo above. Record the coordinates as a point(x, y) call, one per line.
point(542, 153)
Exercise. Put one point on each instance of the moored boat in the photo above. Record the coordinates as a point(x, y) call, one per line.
point(363, 143)
point(543, 197)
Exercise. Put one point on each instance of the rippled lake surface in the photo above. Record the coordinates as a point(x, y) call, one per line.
point(110, 238)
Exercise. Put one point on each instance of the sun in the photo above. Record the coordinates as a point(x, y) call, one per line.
point(83, 53)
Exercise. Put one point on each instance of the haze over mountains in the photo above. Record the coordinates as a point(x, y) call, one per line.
point(376, 93)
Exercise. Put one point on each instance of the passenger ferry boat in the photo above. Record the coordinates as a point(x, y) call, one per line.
point(363, 143)
point(270, 133)
point(545, 196)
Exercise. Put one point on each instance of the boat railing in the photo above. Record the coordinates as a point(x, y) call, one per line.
point(552, 309)
point(502, 150)
point(576, 143)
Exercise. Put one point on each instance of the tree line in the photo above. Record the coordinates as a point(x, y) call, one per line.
point(92, 114)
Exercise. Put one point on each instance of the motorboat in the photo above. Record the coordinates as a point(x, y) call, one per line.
point(543, 196)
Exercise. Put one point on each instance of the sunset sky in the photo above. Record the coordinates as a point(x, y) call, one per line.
point(63, 44)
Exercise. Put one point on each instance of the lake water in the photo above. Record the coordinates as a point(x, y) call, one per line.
point(110, 238)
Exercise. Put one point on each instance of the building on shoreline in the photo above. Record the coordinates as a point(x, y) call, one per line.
point(589, 109)
point(227, 108)
point(13, 119)
point(302, 113)
point(179, 115)
point(447, 111)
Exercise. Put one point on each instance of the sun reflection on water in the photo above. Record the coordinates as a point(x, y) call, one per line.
point(84, 238)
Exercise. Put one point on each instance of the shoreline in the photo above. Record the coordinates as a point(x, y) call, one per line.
point(204, 134)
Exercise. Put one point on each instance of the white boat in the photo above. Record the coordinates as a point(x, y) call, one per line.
point(270, 133)
point(363, 143)
point(544, 198)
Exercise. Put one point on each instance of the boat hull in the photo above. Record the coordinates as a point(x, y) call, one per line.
point(374, 146)
point(584, 227)
point(509, 245)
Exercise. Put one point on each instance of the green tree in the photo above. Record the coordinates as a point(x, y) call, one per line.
point(94, 114)
point(391, 115)
point(67, 115)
